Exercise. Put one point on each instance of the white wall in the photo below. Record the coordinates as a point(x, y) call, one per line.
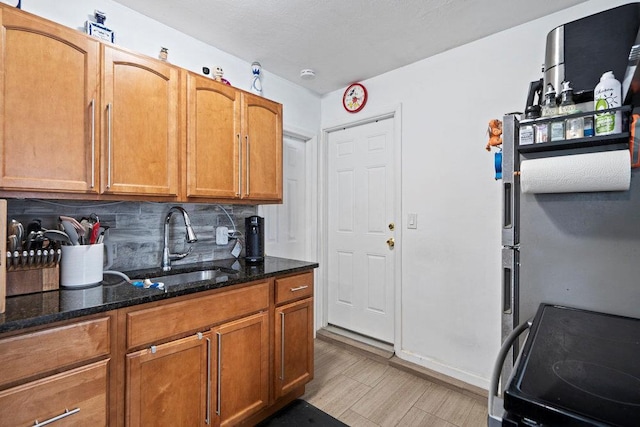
point(144, 35)
point(451, 264)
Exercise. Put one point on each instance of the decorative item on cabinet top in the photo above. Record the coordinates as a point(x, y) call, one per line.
point(98, 29)
point(256, 79)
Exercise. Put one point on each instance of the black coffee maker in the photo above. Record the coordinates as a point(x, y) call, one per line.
point(254, 239)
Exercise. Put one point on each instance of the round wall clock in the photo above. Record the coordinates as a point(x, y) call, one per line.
point(354, 98)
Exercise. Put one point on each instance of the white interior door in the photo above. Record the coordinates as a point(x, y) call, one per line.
point(285, 229)
point(361, 262)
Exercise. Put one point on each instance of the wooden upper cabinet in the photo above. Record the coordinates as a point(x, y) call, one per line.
point(213, 139)
point(262, 145)
point(80, 117)
point(234, 143)
point(140, 114)
point(48, 106)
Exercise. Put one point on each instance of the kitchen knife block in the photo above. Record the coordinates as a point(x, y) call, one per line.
point(30, 280)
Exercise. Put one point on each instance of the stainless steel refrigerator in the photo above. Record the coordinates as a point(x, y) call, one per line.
point(576, 249)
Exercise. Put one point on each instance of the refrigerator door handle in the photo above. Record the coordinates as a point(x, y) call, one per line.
point(509, 278)
point(507, 283)
point(507, 212)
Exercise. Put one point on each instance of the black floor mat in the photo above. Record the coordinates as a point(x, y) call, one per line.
point(300, 413)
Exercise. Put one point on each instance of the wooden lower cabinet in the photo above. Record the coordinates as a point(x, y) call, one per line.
point(167, 385)
point(240, 373)
point(77, 397)
point(253, 355)
point(293, 346)
point(218, 378)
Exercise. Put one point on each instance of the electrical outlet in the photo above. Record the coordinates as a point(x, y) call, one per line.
point(222, 235)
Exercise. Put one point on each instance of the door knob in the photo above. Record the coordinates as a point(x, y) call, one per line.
point(391, 242)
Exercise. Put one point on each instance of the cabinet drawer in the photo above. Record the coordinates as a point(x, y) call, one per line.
point(294, 287)
point(39, 352)
point(154, 324)
point(81, 391)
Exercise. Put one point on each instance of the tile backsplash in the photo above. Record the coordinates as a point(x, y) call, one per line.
point(136, 229)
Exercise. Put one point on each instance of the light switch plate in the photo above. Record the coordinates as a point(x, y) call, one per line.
point(412, 221)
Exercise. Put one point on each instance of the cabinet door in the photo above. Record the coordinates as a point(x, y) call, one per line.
point(48, 110)
point(240, 369)
point(167, 385)
point(140, 108)
point(213, 139)
point(293, 346)
point(262, 173)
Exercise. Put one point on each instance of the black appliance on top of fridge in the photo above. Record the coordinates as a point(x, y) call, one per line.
point(574, 253)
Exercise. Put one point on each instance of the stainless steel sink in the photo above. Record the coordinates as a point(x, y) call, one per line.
point(217, 275)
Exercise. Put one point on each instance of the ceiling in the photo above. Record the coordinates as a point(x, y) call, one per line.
point(343, 41)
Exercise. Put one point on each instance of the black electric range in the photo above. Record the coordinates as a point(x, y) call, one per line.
point(576, 368)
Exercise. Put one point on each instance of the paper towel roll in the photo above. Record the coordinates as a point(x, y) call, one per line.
point(603, 171)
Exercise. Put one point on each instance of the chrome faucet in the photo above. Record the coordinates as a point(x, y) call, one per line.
point(167, 256)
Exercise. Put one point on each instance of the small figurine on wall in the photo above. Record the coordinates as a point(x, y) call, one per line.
point(495, 134)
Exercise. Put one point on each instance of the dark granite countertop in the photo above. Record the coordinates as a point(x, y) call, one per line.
point(24, 311)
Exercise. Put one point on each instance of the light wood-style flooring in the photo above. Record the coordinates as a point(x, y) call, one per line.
point(367, 391)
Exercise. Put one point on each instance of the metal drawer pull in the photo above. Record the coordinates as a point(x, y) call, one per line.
point(219, 385)
point(208, 415)
point(65, 414)
point(282, 346)
point(93, 143)
point(108, 146)
point(239, 193)
point(248, 166)
point(299, 288)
